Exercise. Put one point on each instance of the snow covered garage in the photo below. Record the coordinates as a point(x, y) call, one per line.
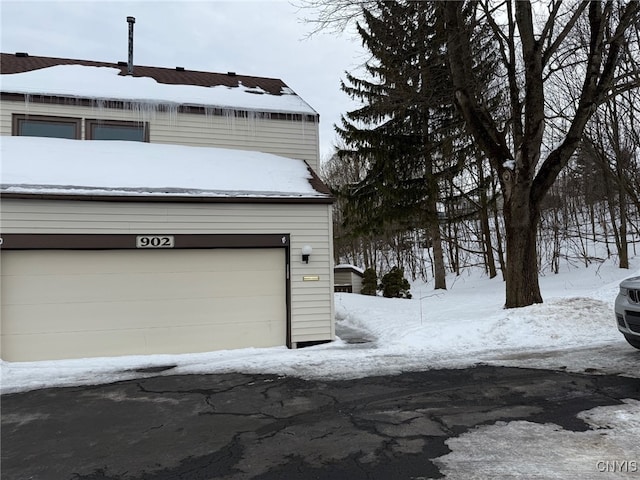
point(206, 256)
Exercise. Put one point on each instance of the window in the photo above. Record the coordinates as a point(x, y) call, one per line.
point(66, 127)
point(116, 130)
point(41, 126)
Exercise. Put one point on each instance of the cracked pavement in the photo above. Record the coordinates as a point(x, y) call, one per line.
point(239, 426)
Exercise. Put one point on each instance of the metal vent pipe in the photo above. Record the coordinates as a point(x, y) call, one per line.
point(130, 21)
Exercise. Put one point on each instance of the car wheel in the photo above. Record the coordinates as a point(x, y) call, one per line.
point(633, 341)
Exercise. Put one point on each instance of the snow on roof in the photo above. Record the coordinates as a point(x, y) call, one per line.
point(35, 165)
point(107, 83)
point(347, 266)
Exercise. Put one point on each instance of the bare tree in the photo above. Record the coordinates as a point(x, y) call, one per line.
point(613, 143)
point(545, 47)
point(538, 49)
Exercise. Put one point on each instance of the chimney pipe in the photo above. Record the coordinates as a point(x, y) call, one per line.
point(130, 21)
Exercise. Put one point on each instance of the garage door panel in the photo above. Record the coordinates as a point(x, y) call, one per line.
point(41, 262)
point(72, 304)
point(174, 339)
point(29, 347)
point(171, 340)
point(82, 288)
point(84, 317)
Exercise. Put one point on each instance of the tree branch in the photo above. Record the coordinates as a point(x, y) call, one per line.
point(546, 55)
point(480, 124)
point(596, 86)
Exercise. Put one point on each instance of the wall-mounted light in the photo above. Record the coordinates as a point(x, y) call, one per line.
point(306, 253)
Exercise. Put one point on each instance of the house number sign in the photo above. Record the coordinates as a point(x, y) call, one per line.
point(155, 241)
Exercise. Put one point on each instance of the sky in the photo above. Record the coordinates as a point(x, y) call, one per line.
point(264, 38)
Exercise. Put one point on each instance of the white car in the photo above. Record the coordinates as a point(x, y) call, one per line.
point(628, 310)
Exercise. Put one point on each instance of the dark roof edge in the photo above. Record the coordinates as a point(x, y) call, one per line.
point(37, 62)
point(168, 198)
point(316, 183)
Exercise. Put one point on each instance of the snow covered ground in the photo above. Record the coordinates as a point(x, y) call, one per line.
point(527, 450)
point(573, 330)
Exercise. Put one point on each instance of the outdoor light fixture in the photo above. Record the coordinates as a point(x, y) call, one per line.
point(306, 252)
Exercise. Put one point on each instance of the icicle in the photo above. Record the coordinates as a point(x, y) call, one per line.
point(251, 122)
point(209, 115)
point(27, 102)
point(99, 105)
point(173, 114)
point(230, 117)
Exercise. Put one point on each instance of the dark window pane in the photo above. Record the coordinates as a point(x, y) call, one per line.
point(117, 132)
point(31, 128)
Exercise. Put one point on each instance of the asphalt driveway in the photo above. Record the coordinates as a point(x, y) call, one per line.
point(237, 426)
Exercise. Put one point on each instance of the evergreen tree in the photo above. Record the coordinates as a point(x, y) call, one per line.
point(394, 285)
point(369, 282)
point(403, 132)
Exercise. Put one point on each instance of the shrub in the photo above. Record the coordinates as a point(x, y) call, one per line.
point(369, 282)
point(394, 285)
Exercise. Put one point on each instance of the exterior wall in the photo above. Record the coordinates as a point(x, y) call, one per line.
point(312, 309)
point(357, 282)
point(342, 278)
point(345, 277)
point(256, 132)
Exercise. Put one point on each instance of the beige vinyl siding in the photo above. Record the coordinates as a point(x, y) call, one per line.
point(343, 278)
point(308, 224)
point(357, 283)
point(349, 278)
point(256, 132)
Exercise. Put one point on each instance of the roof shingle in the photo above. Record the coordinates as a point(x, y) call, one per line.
point(13, 63)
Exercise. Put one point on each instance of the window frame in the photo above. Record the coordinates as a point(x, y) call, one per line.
point(18, 118)
point(90, 122)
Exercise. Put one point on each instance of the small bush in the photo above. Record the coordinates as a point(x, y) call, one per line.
point(369, 282)
point(394, 285)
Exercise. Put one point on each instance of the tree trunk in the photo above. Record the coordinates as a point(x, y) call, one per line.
point(496, 223)
point(439, 272)
point(623, 248)
point(521, 225)
point(490, 262)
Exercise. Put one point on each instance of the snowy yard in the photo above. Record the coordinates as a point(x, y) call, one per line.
point(574, 330)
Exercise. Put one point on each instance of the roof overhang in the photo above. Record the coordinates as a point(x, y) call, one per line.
point(167, 198)
point(47, 168)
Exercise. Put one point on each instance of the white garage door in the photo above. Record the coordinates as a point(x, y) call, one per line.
point(87, 303)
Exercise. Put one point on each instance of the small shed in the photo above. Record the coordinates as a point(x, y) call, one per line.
point(347, 278)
